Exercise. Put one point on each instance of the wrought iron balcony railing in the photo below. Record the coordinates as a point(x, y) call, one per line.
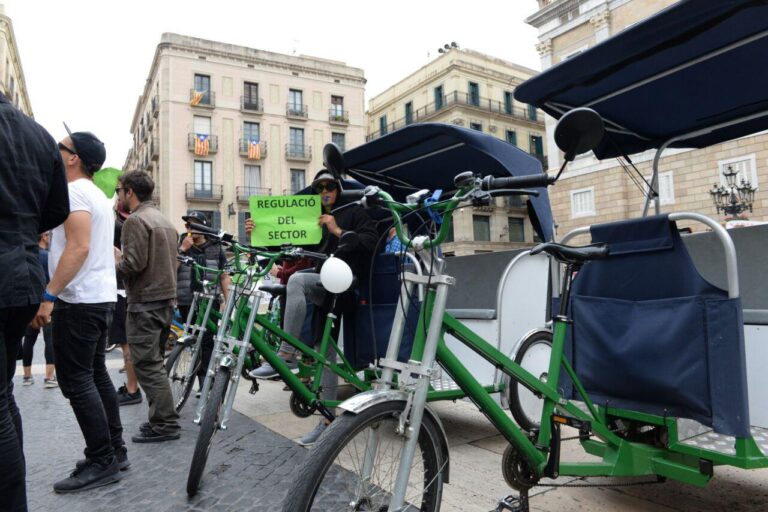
point(199, 148)
point(338, 116)
point(251, 105)
point(298, 152)
point(296, 111)
point(244, 192)
point(204, 192)
point(202, 98)
point(251, 153)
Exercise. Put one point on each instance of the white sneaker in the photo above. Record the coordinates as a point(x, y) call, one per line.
point(50, 383)
point(27, 381)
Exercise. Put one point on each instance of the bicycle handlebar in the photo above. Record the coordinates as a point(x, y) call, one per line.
point(517, 182)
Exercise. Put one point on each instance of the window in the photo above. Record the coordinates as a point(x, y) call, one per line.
point(203, 179)
point(516, 230)
point(745, 167)
point(473, 98)
point(666, 187)
point(512, 137)
point(297, 180)
point(532, 114)
point(481, 226)
point(252, 179)
point(583, 202)
point(251, 131)
point(202, 125)
point(476, 126)
point(508, 104)
point(242, 216)
point(295, 101)
point(536, 146)
point(383, 125)
point(203, 84)
point(409, 113)
point(337, 108)
point(340, 140)
point(296, 142)
point(439, 99)
point(251, 96)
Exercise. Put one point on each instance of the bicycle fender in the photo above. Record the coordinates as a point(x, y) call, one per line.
point(367, 399)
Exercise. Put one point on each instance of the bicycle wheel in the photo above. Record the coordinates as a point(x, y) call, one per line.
point(533, 356)
point(331, 476)
point(209, 424)
point(182, 366)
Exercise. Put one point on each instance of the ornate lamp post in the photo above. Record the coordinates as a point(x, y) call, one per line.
point(735, 198)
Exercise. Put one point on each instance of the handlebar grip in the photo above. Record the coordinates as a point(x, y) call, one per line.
point(200, 228)
point(352, 195)
point(534, 180)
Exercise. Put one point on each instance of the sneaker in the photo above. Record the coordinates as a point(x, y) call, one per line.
point(150, 436)
point(50, 383)
point(122, 461)
point(88, 476)
point(121, 370)
point(27, 381)
point(311, 437)
point(265, 371)
point(126, 398)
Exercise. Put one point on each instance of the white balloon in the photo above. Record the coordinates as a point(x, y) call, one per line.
point(335, 275)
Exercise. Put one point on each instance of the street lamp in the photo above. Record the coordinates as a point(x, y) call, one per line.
point(734, 198)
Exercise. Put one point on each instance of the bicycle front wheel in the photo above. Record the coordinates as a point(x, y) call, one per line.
point(182, 366)
point(354, 463)
point(209, 424)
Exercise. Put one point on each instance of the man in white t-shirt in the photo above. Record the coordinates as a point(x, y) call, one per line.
point(80, 298)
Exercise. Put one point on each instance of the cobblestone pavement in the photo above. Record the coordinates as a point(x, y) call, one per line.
point(248, 468)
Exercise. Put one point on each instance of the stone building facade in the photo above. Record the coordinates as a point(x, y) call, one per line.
point(12, 81)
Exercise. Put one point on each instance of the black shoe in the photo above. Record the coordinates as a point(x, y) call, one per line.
point(126, 398)
point(122, 461)
point(150, 436)
point(88, 476)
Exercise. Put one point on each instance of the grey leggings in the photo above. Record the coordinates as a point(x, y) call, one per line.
point(303, 286)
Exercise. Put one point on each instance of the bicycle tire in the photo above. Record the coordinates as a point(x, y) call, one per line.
point(309, 494)
point(209, 424)
point(180, 378)
point(533, 355)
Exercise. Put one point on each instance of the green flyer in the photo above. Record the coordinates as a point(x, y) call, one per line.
point(281, 220)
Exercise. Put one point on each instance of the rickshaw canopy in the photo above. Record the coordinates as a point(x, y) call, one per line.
point(429, 155)
point(695, 72)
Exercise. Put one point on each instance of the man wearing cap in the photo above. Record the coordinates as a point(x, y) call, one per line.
point(304, 286)
point(81, 298)
point(147, 265)
point(33, 189)
point(208, 253)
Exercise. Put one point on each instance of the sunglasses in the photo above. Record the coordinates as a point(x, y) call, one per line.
point(118, 189)
point(67, 149)
point(330, 187)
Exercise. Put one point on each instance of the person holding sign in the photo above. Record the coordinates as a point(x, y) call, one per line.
point(335, 220)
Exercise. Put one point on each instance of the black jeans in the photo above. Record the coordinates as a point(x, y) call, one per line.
point(79, 339)
point(13, 491)
point(28, 347)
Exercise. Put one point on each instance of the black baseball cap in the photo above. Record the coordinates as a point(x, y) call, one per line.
point(323, 175)
point(88, 148)
point(196, 217)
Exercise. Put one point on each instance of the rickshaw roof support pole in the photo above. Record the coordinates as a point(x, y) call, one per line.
point(685, 136)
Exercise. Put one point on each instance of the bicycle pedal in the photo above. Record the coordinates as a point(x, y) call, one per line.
point(254, 387)
point(513, 504)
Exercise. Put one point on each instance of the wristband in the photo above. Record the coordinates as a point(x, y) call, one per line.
point(49, 297)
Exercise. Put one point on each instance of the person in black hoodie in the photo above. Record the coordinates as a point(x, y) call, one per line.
point(336, 220)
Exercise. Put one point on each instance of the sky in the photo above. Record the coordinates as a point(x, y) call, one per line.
point(86, 62)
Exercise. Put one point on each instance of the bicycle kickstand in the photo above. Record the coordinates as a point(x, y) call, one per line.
point(513, 504)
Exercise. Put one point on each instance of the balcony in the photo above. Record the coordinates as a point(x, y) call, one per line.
point(298, 152)
point(463, 99)
point(204, 100)
point(202, 192)
point(513, 202)
point(154, 106)
point(244, 192)
point(250, 105)
point(154, 148)
point(252, 155)
point(294, 111)
point(338, 116)
point(212, 140)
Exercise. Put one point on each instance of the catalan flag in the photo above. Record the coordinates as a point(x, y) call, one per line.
point(254, 150)
point(197, 97)
point(201, 144)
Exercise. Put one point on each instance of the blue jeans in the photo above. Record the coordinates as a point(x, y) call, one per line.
point(13, 492)
point(79, 339)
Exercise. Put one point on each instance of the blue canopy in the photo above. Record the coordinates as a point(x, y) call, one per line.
point(429, 155)
point(696, 65)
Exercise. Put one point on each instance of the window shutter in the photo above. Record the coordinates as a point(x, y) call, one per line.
point(216, 219)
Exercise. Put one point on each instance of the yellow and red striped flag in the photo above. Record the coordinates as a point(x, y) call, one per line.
point(201, 144)
point(254, 150)
point(197, 97)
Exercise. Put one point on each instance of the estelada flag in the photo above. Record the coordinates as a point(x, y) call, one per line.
point(254, 150)
point(201, 144)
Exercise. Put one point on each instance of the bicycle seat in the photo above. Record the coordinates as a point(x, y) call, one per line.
point(275, 289)
point(573, 255)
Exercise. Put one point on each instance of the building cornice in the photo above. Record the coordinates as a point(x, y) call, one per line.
point(551, 11)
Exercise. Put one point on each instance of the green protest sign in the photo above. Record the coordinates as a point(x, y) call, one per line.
point(285, 220)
